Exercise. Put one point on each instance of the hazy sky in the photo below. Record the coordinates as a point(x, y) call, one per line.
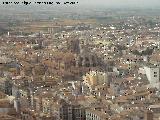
point(138, 3)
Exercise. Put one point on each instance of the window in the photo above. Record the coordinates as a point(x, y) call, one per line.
point(155, 72)
point(155, 75)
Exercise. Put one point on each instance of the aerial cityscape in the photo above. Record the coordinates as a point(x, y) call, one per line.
point(80, 62)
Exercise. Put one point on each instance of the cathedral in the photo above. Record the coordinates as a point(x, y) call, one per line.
point(84, 56)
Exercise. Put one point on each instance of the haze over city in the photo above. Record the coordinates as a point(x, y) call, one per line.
point(95, 60)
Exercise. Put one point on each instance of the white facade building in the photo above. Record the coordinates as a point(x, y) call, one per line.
point(153, 76)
